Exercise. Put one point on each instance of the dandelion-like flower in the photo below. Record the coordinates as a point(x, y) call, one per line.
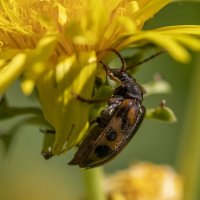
point(52, 46)
point(145, 181)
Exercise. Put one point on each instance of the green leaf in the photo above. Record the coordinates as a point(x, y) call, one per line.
point(8, 136)
point(7, 112)
point(4, 114)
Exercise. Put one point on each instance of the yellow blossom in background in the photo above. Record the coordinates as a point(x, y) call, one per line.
point(145, 181)
point(52, 46)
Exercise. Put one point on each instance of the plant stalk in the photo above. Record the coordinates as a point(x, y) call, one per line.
point(189, 155)
point(93, 179)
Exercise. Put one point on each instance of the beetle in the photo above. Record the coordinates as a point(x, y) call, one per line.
point(117, 123)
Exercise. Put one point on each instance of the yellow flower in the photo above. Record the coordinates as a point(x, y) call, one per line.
point(145, 181)
point(52, 46)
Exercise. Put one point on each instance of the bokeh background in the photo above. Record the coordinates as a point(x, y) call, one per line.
point(24, 174)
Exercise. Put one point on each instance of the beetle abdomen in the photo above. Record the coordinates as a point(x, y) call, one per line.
point(113, 138)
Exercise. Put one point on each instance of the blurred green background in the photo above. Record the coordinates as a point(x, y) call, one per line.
point(24, 174)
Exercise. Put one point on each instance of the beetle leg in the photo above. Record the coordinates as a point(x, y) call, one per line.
point(90, 101)
point(47, 131)
point(92, 122)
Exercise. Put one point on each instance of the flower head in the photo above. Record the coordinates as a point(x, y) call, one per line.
point(145, 181)
point(53, 45)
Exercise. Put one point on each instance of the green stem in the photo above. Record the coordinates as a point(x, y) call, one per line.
point(93, 179)
point(15, 111)
point(189, 155)
point(186, 1)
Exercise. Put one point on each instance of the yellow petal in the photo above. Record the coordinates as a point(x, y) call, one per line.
point(184, 29)
point(62, 14)
point(167, 42)
point(148, 10)
point(37, 62)
point(189, 41)
point(11, 71)
point(88, 29)
point(177, 51)
point(68, 115)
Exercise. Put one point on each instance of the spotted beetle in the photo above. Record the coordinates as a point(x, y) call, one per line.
point(117, 123)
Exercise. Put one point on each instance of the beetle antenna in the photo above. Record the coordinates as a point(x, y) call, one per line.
point(123, 67)
point(146, 59)
point(109, 73)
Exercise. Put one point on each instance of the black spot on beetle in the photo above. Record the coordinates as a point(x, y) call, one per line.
point(124, 122)
point(123, 115)
point(112, 135)
point(102, 151)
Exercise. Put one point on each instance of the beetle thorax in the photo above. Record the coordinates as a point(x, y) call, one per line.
point(129, 88)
